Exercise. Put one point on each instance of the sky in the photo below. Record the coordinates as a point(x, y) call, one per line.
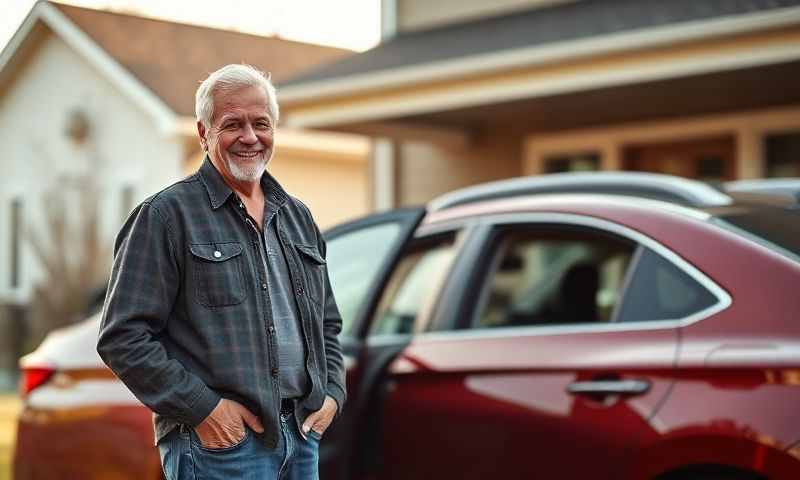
point(353, 24)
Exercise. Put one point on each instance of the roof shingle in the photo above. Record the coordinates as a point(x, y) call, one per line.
point(563, 22)
point(171, 59)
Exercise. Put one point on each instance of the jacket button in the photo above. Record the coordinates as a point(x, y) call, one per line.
point(263, 286)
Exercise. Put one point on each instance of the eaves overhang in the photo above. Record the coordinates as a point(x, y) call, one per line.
point(305, 102)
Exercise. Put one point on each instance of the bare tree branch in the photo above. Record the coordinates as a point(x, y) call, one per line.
point(71, 250)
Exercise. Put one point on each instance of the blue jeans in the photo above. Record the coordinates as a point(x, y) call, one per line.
point(295, 457)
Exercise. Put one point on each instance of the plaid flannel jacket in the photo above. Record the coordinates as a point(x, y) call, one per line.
point(187, 316)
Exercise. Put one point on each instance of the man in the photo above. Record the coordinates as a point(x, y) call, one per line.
point(219, 315)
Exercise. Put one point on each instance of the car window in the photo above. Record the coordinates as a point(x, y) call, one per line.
point(658, 290)
point(354, 259)
point(411, 292)
point(551, 277)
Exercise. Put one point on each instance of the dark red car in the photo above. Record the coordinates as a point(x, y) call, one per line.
point(572, 337)
point(564, 337)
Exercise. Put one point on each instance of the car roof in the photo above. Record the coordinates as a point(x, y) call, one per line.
point(566, 203)
point(668, 188)
point(789, 187)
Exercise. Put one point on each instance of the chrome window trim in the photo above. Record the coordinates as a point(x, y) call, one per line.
point(724, 299)
point(534, 331)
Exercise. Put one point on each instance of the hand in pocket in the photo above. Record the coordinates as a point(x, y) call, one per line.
point(225, 425)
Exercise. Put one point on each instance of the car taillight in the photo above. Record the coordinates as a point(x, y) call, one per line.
point(33, 378)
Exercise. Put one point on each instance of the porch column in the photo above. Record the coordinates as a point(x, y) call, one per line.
point(749, 153)
point(383, 174)
point(610, 157)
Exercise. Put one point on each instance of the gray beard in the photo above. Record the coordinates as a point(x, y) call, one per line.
point(248, 173)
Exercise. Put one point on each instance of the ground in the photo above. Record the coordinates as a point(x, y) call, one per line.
point(9, 407)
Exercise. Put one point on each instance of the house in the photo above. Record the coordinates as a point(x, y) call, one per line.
point(109, 96)
point(461, 92)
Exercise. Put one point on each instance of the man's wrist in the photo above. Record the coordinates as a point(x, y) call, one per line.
point(205, 403)
point(337, 394)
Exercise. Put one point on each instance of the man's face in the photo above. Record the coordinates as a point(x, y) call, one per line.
point(241, 136)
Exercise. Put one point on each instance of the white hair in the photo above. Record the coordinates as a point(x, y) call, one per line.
point(230, 78)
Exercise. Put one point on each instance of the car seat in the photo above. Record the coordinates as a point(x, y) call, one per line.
point(577, 296)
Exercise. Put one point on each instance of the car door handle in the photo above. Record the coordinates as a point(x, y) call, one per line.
point(609, 387)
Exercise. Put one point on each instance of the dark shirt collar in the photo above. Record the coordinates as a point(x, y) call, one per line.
point(219, 191)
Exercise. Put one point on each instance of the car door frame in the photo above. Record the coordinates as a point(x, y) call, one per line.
point(341, 436)
point(378, 351)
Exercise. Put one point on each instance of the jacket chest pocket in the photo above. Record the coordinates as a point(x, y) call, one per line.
point(218, 274)
point(314, 270)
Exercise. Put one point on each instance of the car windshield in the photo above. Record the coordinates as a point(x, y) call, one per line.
point(777, 228)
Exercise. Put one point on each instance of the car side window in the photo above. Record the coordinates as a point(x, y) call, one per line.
point(354, 259)
point(658, 290)
point(553, 276)
point(410, 295)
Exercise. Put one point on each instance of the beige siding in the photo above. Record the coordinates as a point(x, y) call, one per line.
point(417, 14)
point(335, 191)
point(426, 170)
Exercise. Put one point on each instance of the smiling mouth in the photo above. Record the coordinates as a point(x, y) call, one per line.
point(248, 155)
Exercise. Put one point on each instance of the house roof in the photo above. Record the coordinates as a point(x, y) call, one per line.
point(570, 21)
point(171, 58)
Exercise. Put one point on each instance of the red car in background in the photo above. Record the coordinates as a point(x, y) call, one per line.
point(506, 331)
point(78, 420)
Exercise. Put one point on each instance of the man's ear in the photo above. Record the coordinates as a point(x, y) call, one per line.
point(201, 133)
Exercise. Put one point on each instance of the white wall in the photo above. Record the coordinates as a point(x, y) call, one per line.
point(34, 150)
